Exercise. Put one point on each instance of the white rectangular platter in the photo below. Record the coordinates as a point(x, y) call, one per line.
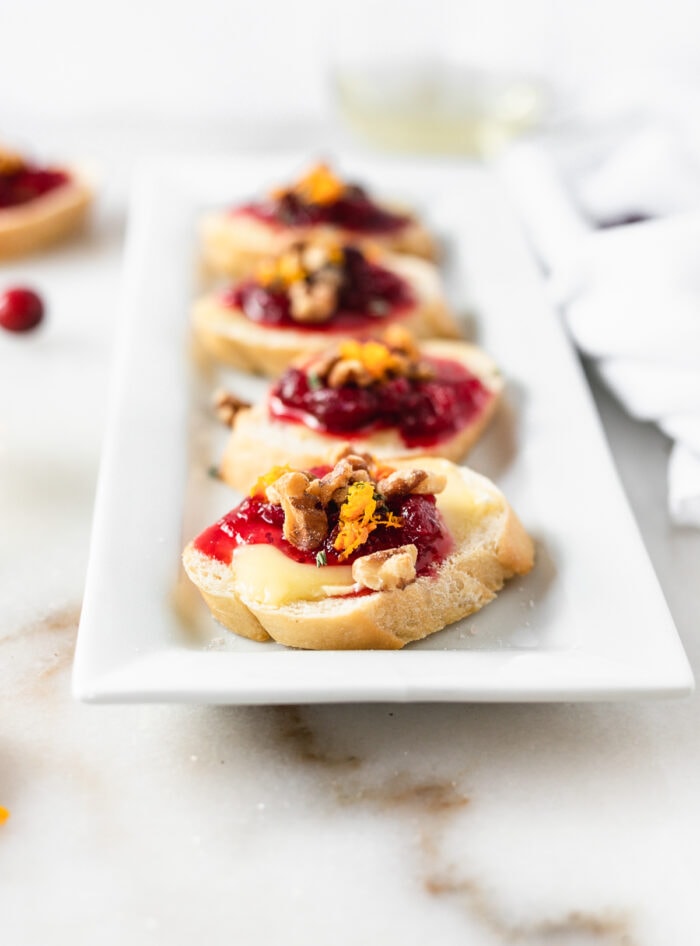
point(589, 623)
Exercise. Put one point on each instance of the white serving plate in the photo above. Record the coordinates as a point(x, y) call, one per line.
point(589, 623)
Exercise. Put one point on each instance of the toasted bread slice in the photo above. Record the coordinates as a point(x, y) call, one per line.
point(30, 227)
point(227, 335)
point(262, 595)
point(233, 244)
point(259, 441)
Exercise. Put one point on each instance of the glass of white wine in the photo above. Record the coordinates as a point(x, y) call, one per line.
point(441, 77)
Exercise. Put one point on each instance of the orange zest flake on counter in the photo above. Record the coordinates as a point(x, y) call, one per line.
point(4, 814)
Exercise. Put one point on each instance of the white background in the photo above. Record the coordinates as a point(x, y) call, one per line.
point(264, 60)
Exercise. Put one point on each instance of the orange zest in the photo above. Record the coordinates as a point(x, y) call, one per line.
point(381, 359)
point(288, 267)
point(267, 479)
point(285, 270)
point(382, 470)
point(358, 518)
point(4, 814)
point(375, 357)
point(320, 186)
point(10, 161)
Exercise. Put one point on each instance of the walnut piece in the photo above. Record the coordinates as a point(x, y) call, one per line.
point(402, 482)
point(321, 365)
point(315, 299)
point(421, 371)
point(305, 520)
point(386, 569)
point(314, 256)
point(334, 485)
point(359, 461)
point(369, 362)
point(400, 339)
point(348, 371)
point(227, 405)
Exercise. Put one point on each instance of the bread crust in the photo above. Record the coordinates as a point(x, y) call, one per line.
point(258, 441)
point(228, 336)
point(30, 227)
point(234, 243)
point(491, 546)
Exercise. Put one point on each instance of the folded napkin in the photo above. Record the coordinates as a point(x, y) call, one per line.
point(617, 228)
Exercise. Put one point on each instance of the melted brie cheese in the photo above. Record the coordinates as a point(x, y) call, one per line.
point(463, 505)
point(267, 576)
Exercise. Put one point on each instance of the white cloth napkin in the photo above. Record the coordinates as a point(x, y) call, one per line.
point(630, 293)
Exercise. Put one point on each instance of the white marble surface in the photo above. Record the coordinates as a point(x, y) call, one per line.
point(542, 825)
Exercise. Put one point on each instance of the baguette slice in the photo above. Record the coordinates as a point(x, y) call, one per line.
point(233, 244)
point(258, 441)
point(30, 227)
point(228, 336)
point(491, 545)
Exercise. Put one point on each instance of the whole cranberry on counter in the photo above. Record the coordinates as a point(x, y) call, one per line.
point(21, 309)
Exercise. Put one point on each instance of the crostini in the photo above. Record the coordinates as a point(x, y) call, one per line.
point(294, 303)
point(319, 206)
point(38, 205)
point(388, 396)
point(357, 554)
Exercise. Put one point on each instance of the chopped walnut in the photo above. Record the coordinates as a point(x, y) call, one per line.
point(386, 569)
point(349, 371)
point(305, 521)
point(315, 256)
point(366, 363)
point(401, 365)
point(316, 299)
point(227, 405)
point(333, 486)
point(292, 484)
point(400, 339)
point(432, 484)
point(421, 371)
point(322, 363)
point(347, 452)
point(403, 482)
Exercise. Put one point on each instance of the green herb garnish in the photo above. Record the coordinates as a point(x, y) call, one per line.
point(321, 558)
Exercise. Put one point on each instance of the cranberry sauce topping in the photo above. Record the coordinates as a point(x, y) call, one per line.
point(354, 210)
point(423, 412)
point(369, 293)
point(29, 183)
point(255, 522)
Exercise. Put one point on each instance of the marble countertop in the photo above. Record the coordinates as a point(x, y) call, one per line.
point(541, 825)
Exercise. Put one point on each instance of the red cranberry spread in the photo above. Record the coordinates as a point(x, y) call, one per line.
point(354, 212)
point(367, 295)
point(27, 183)
point(256, 521)
point(320, 197)
point(424, 412)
